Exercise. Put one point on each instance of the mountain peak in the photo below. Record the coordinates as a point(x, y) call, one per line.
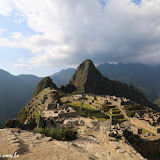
point(87, 64)
point(85, 73)
point(44, 83)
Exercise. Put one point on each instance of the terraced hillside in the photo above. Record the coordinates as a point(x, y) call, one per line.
point(38, 103)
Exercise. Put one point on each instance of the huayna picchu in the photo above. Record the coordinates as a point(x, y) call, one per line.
point(89, 80)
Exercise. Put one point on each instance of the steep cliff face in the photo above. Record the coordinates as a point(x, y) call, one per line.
point(44, 83)
point(88, 79)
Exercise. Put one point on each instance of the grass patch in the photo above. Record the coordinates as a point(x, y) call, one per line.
point(77, 103)
point(122, 120)
point(63, 134)
point(145, 131)
point(92, 113)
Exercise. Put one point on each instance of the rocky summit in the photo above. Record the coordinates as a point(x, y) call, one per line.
point(89, 80)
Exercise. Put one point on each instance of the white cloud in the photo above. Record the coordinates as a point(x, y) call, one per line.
point(23, 65)
point(2, 30)
point(20, 60)
point(5, 7)
point(75, 30)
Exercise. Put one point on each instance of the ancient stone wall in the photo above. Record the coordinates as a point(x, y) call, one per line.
point(144, 124)
point(67, 114)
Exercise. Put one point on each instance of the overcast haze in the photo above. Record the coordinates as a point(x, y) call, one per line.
point(43, 36)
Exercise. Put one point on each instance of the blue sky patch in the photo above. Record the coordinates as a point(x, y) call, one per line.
point(136, 1)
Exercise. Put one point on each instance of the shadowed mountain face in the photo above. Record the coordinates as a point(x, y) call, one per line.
point(88, 79)
point(146, 78)
point(15, 92)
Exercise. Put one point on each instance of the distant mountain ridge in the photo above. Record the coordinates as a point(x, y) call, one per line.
point(89, 80)
point(144, 77)
point(62, 77)
point(15, 91)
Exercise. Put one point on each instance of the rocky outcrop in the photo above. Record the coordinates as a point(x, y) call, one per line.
point(49, 122)
point(14, 123)
point(89, 80)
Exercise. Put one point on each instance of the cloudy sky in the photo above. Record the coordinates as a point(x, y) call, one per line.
point(43, 36)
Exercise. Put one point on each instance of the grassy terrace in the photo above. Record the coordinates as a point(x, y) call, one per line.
point(132, 108)
point(87, 111)
point(77, 103)
point(116, 114)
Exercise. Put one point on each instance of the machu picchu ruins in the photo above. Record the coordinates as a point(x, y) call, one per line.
point(95, 126)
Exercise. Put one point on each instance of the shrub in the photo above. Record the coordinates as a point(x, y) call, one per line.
point(65, 133)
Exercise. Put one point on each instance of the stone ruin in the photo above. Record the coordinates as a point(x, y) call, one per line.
point(112, 128)
point(60, 111)
point(149, 120)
